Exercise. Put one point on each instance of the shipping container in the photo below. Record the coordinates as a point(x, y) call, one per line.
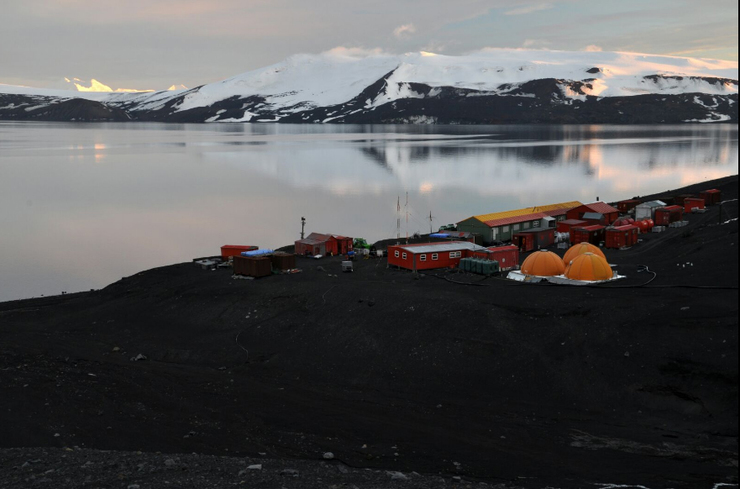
point(233, 250)
point(679, 199)
point(711, 196)
point(258, 266)
point(506, 256)
point(625, 206)
point(621, 236)
point(668, 215)
point(587, 234)
point(282, 261)
point(693, 203)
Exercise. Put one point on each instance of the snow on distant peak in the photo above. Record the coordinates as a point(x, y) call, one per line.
point(336, 76)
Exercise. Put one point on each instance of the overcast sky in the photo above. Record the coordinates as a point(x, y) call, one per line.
point(152, 44)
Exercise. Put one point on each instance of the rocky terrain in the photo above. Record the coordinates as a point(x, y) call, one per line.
point(186, 377)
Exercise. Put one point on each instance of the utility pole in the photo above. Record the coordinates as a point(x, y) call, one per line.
point(303, 225)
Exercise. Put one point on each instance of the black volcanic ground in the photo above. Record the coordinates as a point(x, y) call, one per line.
point(507, 384)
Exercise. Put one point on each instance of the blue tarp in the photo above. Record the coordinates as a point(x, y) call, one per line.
point(257, 252)
point(439, 235)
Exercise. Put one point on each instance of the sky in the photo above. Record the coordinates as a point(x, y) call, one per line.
point(156, 44)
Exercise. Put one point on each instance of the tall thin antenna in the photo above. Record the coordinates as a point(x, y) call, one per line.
point(430, 222)
point(407, 218)
point(398, 219)
point(303, 225)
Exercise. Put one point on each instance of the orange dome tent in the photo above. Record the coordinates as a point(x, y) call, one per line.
point(543, 263)
point(589, 267)
point(579, 249)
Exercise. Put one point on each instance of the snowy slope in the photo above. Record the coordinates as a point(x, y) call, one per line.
point(337, 87)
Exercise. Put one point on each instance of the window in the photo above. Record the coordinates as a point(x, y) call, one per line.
point(505, 229)
point(403, 256)
point(435, 256)
point(455, 254)
point(423, 257)
point(526, 225)
point(516, 227)
point(396, 254)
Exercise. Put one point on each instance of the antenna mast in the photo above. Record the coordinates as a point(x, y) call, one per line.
point(398, 219)
point(407, 217)
point(430, 222)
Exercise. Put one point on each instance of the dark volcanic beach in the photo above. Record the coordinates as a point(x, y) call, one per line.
point(443, 379)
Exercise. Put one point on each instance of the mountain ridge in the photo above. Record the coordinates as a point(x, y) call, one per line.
point(489, 87)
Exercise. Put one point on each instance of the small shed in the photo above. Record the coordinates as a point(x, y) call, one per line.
point(693, 203)
point(711, 196)
point(621, 236)
point(593, 234)
point(666, 215)
point(534, 239)
point(506, 256)
point(625, 206)
point(646, 210)
point(323, 244)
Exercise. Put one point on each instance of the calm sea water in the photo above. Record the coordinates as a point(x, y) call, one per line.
point(82, 205)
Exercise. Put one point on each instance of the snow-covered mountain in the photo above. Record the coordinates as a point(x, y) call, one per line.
point(490, 86)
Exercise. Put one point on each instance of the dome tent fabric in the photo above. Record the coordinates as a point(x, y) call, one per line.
point(589, 267)
point(579, 249)
point(543, 264)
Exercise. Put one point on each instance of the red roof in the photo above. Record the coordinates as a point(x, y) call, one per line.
point(593, 227)
point(601, 207)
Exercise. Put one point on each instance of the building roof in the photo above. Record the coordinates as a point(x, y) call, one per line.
point(541, 211)
point(652, 203)
point(505, 221)
point(601, 207)
point(593, 216)
point(440, 247)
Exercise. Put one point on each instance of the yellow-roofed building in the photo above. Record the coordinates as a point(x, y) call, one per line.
point(501, 226)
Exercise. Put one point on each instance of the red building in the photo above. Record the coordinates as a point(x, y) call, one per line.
point(534, 239)
point(589, 234)
point(426, 256)
point(621, 236)
point(667, 215)
point(691, 203)
point(610, 213)
point(506, 256)
point(711, 196)
point(323, 244)
point(625, 206)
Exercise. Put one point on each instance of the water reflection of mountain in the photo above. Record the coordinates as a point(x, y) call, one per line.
point(487, 161)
